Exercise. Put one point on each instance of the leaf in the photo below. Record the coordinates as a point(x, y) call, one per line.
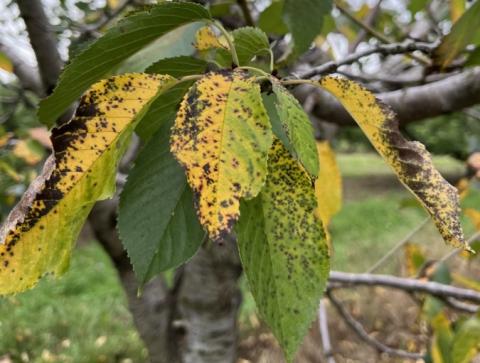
point(283, 250)
point(473, 58)
point(305, 20)
point(178, 66)
point(25, 151)
point(271, 20)
point(414, 258)
point(164, 234)
point(442, 339)
point(120, 42)
point(466, 281)
point(250, 42)
point(5, 63)
point(409, 159)
point(328, 186)
point(206, 39)
point(462, 33)
point(298, 128)
point(221, 136)
point(457, 8)
point(39, 233)
point(474, 216)
point(466, 342)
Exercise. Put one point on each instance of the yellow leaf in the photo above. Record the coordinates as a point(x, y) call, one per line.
point(414, 258)
point(39, 232)
point(457, 8)
point(222, 136)
point(409, 159)
point(328, 186)
point(112, 4)
point(5, 63)
point(474, 216)
point(463, 187)
point(465, 281)
point(23, 151)
point(206, 39)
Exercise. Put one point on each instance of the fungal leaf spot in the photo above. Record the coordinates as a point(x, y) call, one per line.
point(409, 159)
point(38, 235)
point(283, 249)
point(298, 128)
point(222, 136)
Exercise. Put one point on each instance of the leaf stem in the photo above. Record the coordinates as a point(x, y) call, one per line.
point(229, 39)
point(254, 69)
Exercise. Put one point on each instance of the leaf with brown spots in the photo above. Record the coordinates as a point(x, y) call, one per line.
point(221, 136)
point(283, 249)
point(409, 159)
point(39, 233)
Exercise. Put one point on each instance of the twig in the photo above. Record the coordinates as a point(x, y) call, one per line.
point(372, 15)
point(246, 12)
point(107, 18)
point(323, 326)
point(339, 280)
point(399, 245)
point(358, 329)
point(461, 306)
point(385, 49)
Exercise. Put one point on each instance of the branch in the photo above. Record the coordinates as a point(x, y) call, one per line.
point(27, 75)
point(358, 328)
point(410, 104)
point(107, 17)
point(246, 12)
point(384, 49)
point(43, 42)
point(323, 327)
point(343, 279)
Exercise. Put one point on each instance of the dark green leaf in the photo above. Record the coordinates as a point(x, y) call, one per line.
point(250, 42)
point(157, 221)
point(271, 20)
point(305, 20)
point(119, 43)
point(178, 66)
point(474, 58)
point(283, 250)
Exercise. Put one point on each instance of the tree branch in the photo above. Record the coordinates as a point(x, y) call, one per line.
point(358, 328)
point(343, 279)
point(410, 104)
point(325, 335)
point(43, 42)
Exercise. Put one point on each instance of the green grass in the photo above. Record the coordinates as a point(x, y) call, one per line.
point(79, 318)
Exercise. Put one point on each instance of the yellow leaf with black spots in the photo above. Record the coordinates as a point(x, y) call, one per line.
point(409, 159)
point(328, 186)
point(206, 39)
point(38, 235)
point(221, 136)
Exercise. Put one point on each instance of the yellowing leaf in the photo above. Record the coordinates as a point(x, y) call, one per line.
point(205, 39)
point(409, 159)
point(221, 136)
point(23, 151)
point(474, 216)
point(465, 281)
point(457, 8)
point(414, 258)
point(38, 234)
point(5, 63)
point(463, 187)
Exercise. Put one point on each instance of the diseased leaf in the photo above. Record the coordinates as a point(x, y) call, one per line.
point(178, 66)
point(328, 186)
point(463, 33)
point(283, 250)
point(157, 221)
point(206, 39)
point(221, 136)
point(39, 233)
point(409, 159)
point(298, 128)
point(305, 20)
point(120, 42)
point(250, 42)
point(466, 342)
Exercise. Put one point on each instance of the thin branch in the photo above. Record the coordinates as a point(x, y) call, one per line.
point(399, 245)
point(107, 18)
point(372, 15)
point(339, 280)
point(323, 327)
point(246, 12)
point(358, 329)
point(384, 49)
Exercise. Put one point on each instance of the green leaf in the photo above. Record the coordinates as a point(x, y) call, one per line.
point(119, 43)
point(271, 20)
point(283, 250)
point(222, 136)
point(39, 233)
point(157, 221)
point(466, 341)
point(250, 42)
point(298, 128)
point(473, 58)
point(178, 66)
point(463, 33)
point(305, 20)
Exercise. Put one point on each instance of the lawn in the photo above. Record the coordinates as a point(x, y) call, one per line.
point(83, 317)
